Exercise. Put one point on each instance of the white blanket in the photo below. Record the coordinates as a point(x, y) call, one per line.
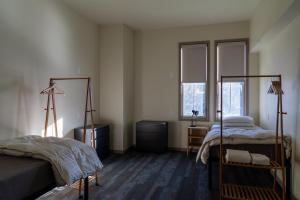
point(236, 135)
point(70, 159)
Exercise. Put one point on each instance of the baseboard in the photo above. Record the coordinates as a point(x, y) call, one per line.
point(169, 148)
point(122, 151)
point(117, 151)
point(177, 149)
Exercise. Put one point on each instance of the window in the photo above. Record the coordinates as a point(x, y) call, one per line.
point(193, 79)
point(233, 98)
point(231, 60)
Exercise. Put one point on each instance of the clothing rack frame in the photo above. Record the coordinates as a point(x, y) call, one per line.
point(231, 191)
point(88, 109)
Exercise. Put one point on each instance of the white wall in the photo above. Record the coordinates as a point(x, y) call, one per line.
point(275, 30)
point(157, 68)
point(128, 87)
point(282, 56)
point(265, 16)
point(111, 82)
point(116, 90)
point(39, 40)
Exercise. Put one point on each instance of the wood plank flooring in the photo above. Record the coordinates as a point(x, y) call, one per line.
point(139, 176)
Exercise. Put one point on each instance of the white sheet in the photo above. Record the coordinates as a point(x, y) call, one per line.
point(237, 135)
point(70, 159)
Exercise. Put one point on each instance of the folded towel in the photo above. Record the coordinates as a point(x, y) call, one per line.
point(237, 156)
point(260, 159)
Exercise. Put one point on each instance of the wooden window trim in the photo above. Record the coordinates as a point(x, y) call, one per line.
point(180, 117)
point(216, 42)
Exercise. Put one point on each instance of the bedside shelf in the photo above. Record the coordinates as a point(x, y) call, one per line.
point(195, 137)
point(231, 191)
point(273, 165)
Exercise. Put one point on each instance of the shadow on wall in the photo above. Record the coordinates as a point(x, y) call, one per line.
point(297, 134)
point(15, 106)
point(69, 134)
point(19, 97)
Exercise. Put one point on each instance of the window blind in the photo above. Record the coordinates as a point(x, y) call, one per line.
point(231, 60)
point(194, 63)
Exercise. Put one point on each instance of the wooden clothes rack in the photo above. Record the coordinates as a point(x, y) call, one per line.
point(51, 91)
point(236, 191)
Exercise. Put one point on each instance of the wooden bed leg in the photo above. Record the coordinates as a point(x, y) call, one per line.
point(209, 174)
point(86, 189)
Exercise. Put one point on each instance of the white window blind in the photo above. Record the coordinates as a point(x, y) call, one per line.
point(194, 63)
point(231, 60)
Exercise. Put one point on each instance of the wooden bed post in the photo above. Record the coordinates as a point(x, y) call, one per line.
point(221, 143)
point(282, 142)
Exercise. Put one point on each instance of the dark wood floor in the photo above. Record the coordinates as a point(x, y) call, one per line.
point(166, 176)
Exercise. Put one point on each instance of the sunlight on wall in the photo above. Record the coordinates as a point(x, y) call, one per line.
point(51, 129)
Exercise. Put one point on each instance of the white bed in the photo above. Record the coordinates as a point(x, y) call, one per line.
point(238, 135)
point(71, 160)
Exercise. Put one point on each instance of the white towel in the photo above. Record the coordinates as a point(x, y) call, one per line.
point(260, 159)
point(237, 156)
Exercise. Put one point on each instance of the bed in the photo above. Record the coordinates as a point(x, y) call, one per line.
point(24, 177)
point(251, 138)
point(30, 165)
point(241, 137)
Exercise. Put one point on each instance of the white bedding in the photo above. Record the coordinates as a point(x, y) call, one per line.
point(70, 159)
point(236, 135)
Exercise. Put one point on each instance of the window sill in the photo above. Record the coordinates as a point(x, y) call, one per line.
point(190, 119)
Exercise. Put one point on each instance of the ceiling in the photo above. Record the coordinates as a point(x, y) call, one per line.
point(153, 14)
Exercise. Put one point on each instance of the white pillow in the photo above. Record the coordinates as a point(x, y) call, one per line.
point(238, 124)
point(238, 119)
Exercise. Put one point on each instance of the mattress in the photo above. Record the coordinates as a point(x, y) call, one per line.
point(240, 136)
point(24, 178)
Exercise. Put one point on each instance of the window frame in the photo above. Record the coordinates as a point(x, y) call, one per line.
point(246, 94)
point(180, 89)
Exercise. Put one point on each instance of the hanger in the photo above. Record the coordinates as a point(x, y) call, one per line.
point(52, 89)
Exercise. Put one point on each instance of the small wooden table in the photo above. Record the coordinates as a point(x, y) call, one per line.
point(195, 137)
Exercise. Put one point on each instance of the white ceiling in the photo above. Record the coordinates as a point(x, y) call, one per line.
point(150, 14)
